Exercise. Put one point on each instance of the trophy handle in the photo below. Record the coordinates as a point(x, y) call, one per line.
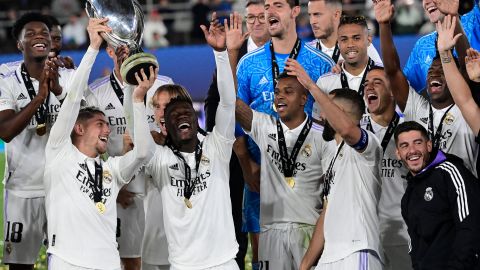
point(91, 10)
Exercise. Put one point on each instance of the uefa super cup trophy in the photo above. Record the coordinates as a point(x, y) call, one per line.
point(126, 20)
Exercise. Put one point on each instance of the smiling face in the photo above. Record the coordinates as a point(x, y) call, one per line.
point(437, 85)
point(414, 150)
point(377, 94)
point(34, 40)
point(181, 123)
point(258, 29)
point(92, 133)
point(56, 36)
point(289, 98)
point(280, 17)
point(434, 15)
point(322, 18)
point(353, 42)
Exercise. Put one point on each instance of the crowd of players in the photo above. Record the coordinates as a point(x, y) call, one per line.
point(348, 161)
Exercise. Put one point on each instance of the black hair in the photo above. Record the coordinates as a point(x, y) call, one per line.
point(84, 114)
point(358, 20)
point(353, 97)
point(53, 21)
point(176, 100)
point(376, 67)
point(410, 126)
point(28, 18)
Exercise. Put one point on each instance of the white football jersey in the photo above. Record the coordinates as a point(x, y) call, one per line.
point(371, 51)
point(6, 68)
point(456, 137)
point(25, 153)
point(279, 202)
point(351, 219)
point(393, 230)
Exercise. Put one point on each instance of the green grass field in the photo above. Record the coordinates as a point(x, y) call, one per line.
point(41, 261)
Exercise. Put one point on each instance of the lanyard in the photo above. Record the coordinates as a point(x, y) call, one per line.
point(288, 163)
point(41, 113)
point(116, 87)
point(97, 183)
point(436, 138)
point(189, 183)
point(329, 174)
point(390, 130)
point(344, 81)
point(293, 54)
point(336, 51)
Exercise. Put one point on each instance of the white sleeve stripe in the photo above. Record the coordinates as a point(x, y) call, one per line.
point(457, 180)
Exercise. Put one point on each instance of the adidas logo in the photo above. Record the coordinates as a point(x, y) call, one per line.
point(110, 107)
point(21, 96)
point(263, 80)
point(272, 136)
point(424, 119)
point(428, 60)
point(174, 167)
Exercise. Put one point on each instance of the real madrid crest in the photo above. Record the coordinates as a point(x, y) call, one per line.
point(307, 151)
point(107, 177)
point(428, 194)
point(205, 161)
point(449, 119)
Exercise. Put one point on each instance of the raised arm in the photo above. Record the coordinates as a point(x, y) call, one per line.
point(384, 11)
point(142, 140)
point(336, 117)
point(459, 88)
point(67, 116)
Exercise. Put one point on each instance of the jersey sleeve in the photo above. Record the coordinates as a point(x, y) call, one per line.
point(259, 128)
point(7, 100)
point(225, 115)
point(372, 154)
point(61, 130)
point(373, 54)
point(243, 81)
point(415, 103)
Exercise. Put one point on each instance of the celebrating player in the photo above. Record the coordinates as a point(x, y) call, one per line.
point(81, 192)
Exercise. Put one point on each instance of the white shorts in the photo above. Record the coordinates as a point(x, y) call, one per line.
point(24, 228)
point(130, 227)
point(146, 266)
point(397, 258)
point(56, 263)
point(230, 265)
point(360, 260)
point(282, 246)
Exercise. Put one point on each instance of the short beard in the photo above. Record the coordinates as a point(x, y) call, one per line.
point(328, 132)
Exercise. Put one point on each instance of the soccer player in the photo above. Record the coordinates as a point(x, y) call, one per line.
point(425, 49)
point(325, 19)
point(193, 174)
point(81, 192)
point(353, 42)
point(107, 93)
point(155, 247)
point(25, 121)
point(382, 121)
point(346, 234)
point(446, 126)
point(441, 205)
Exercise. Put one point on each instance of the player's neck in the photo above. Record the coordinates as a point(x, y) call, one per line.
point(357, 68)
point(187, 146)
point(294, 122)
point(34, 67)
point(384, 118)
point(338, 138)
point(116, 70)
point(284, 45)
point(442, 104)
point(259, 42)
point(87, 150)
point(330, 41)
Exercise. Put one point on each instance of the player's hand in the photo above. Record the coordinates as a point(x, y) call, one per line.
point(144, 83)
point(384, 11)
point(337, 68)
point(54, 84)
point(43, 88)
point(94, 28)
point(446, 33)
point(472, 61)
point(447, 6)
point(294, 68)
point(125, 198)
point(127, 143)
point(235, 36)
point(215, 35)
point(122, 52)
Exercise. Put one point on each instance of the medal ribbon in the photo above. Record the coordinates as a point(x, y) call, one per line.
point(336, 51)
point(329, 173)
point(41, 113)
point(293, 54)
point(97, 182)
point(189, 183)
point(116, 87)
point(390, 130)
point(288, 163)
point(344, 81)
point(436, 138)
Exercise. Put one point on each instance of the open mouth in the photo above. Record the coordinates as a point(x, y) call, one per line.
point(432, 9)
point(281, 106)
point(351, 53)
point(414, 157)
point(183, 126)
point(371, 98)
point(273, 21)
point(103, 138)
point(40, 46)
point(435, 86)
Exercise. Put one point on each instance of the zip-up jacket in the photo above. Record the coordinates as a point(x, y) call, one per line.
point(441, 208)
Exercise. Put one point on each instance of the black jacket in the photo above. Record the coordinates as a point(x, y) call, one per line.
point(441, 209)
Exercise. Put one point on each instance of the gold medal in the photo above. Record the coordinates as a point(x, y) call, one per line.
point(187, 203)
point(41, 129)
point(290, 181)
point(101, 207)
